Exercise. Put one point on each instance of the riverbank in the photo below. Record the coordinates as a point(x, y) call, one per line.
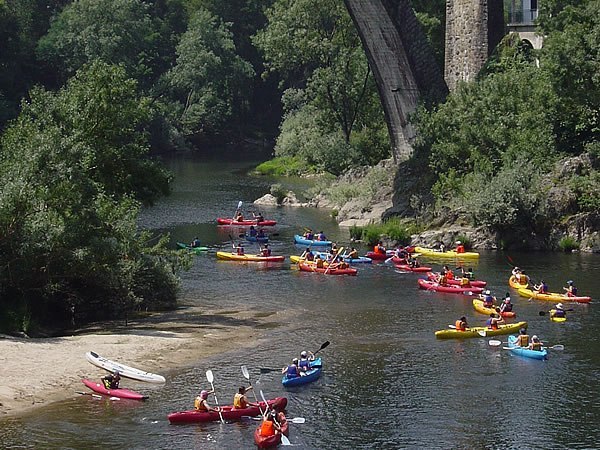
point(37, 372)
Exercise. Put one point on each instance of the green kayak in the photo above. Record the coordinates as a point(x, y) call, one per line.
point(190, 248)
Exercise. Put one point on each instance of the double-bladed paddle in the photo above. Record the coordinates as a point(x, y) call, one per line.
point(496, 343)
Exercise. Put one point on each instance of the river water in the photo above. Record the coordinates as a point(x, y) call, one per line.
point(387, 383)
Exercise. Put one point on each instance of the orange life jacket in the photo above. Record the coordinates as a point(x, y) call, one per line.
point(449, 275)
point(267, 428)
point(460, 249)
point(460, 325)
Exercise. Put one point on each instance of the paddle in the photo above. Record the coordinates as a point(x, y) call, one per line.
point(96, 396)
point(293, 420)
point(543, 313)
point(333, 260)
point(210, 378)
point(284, 439)
point(323, 345)
point(496, 343)
point(247, 377)
point(238, 208)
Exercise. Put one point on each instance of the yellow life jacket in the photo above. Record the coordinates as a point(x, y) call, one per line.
point(199, 404)
point(239, 401)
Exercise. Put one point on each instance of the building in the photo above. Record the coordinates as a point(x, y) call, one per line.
point(521, 19)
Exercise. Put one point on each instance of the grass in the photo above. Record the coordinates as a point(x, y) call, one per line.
point(567, 244)
point(395, 228)
point(283, 166)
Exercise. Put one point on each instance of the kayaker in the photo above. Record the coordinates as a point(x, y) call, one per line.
point(240, 249)
point(516, 272)
point(308, 234)
point(305, 359)
point(506, 305)
point(261, 234)
point(112, 381)
point(265, 251)
point(292, 371)
point(321, 236)
point(240, 401)
point(320, 262)
point(461, 324)
point(195, 243)
point(239, 217)
point(308, 255)
point(258, 217)
point(200, 403)
point(413, 262)
point(401, 253)
point(488, 299)
point(523, 338)
point(460, 248)
point(571, 289)
point(252, 231)
point(559, 311)
point(353, 253)
point(494, 321)
point(447, 272)
point(541, 288)
point(535, 344)
point(379, 248)
point(270, 426)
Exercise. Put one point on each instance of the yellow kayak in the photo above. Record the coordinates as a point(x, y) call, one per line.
point(296, 258)
point(447, 254)
point(474, 332)
point(552, 296)
point(556, 319)
point(516, 284)
point(478, 305)
point(228, 256)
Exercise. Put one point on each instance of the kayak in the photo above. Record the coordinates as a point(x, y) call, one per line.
point(524, 351)
point(447, 254)
point(124, 371)
point(121, 393)
point(556, 319)
point(473, 332)
point(516, 284)
point(228, 256)
point(312, 267)
point(192, 249)
point(407, 268)
point(359, 260)
point(451, 289)
point(457, 281)
point(228, 412)
point(302, 241)
point(271, 441)
point(262, 239)
point(311, 375)
point(380, 256)
point(478, 305)
point(246, 223)
point(552, 296)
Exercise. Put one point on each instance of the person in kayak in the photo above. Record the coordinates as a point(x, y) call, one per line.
point(535, 344)
point(308, 234)
point(321, 236)
point(258, 217)
point(265, 251)
point(506, 305)
point(195, 243)
point(200, 403)
point(413, 262)
point(112, 381)
point(541, 288)
point(292, 371)
point(494, 322)
point(308, 255)
point(261, 234)
point(270, 425)
point(252, 231)
point(488, 299)
point(522, 338)
point(240, 401)
point(460, 248)
point(353, 253)
point(571, 289)
point(447, 272)
point(240, 249)
point(379, 248)
point(559, 311)
point(461, 324)
point(320, 262)
point(305, 360)
point(239, 217)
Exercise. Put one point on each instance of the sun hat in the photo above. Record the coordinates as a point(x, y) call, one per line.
point(559, 306)
point(303, 353)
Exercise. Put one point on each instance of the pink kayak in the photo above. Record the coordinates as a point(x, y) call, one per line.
point(121, 393)
point(228, 412)
point(457, 281)
point(433, 286)
point(246, 223)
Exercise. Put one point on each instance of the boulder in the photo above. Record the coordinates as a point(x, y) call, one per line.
point(266, 200)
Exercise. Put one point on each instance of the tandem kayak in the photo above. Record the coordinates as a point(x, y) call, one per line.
point(309, 376)
point(124, 371)
point(451, 289)
point(518, 284)
point(333, 270)
point(474, 332)
point(478, 305)
point(228, 412)
point(447, 254)
point(273, 440)
point(192, 249)
point(302, 241)
point(552, 296)
point(228, 256)
point(121, 393)
point(457, 281)
point(380, 256)
point(246, 223)
point(524, 351)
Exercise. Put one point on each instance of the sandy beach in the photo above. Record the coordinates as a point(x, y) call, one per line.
point(35, 372)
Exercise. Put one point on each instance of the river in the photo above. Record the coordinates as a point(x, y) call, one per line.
point(387, 382)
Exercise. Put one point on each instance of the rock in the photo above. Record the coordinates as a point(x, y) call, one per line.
point(479, 237)
point(577, 165)
point(266, 200)
point(291, 200)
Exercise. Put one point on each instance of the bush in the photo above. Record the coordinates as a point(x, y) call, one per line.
point(278, 192)
point(356, 233)
point(284, 166)
point(567, 244)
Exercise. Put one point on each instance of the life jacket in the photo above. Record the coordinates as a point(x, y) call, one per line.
point(559, 313)
point(460, 325)
point(536, 346)
point(320, 263)
point(543, 289)
point(506, 307)
point(239, 401)
point(522, 340)
point(267, 428)
point(449, 274)
point(253, 232)
point(442, 279)
point(292, 371)
point(199, 404)
point(488, 300)
point(240, 251)
point(304, 363)
point(464, 281)
point(379, 249)
point(572, 291)
point(460, 249)
point(353, 254)
point(310, 256)
point(266, 252)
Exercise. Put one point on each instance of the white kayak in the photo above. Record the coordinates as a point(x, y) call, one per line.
point(124, 371)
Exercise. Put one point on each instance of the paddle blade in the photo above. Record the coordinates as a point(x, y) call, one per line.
point(542, 313)
point(263, 397)
point(209, 376)
point(245, 372)
point(324, 345)
point(495, 343)
point(240, 204)
point(482, 333)
point(557, 347)
point(297, 420)
point(285, 440)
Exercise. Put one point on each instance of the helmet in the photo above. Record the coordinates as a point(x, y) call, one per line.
point(304, 354)
point(570, 282)
point(559, 306)
point(204, 395)
point(295, 360)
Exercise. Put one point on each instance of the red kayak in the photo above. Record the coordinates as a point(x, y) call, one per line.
point(311, 267)
point(228, 412)
point(407, 268)
point(433, 286)
point(271, 441)
point(121, 393)
point(380, 256)
point(245, 223)
point(456, 281)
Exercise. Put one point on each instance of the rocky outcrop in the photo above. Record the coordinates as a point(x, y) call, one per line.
point(266, 200)
point(289, 200)
point(584, 229)
point(478, 237)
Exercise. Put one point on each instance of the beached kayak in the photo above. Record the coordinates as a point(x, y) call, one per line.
point(245, 223)
point(228, 412)
point(407, 268)
point(553, 318)
point(334, 270)
point(552, 296)
point(121, 393)
point(271, 441)
point(228, 256)
point(302, 241)
point(192, 249)
point(430, 252)
point(309, 376)
point(474, 332)
point(261, 239)
point(451, 289)
point(478, 305)
point(524, 351)
point(516, 284)
point(124, 371)
point(457, 281)
point(376, 256)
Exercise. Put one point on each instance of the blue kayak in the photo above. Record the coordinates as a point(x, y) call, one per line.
point(300, 240)
point(311, 375)
point(524, 351)
point(257, 238)
point(359, 260)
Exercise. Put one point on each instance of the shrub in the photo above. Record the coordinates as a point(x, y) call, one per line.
point(284, 166)
point(356, 233)
point(567, 244)
point(278, 192)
